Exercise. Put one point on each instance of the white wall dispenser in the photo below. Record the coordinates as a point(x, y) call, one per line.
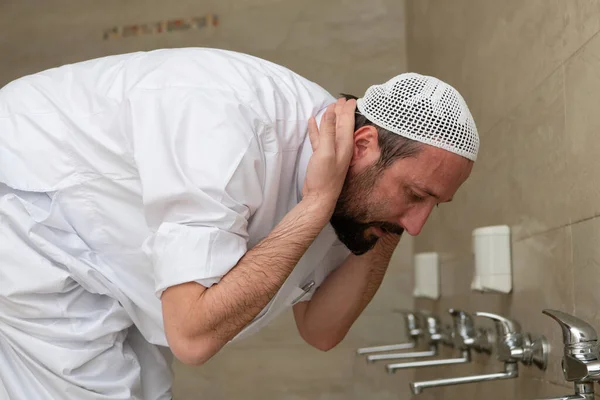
point(493, 261)
point(427, 275)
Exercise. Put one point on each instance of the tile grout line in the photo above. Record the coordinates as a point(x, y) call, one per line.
point(572, 263)
point(569, 224)
point(511, 110)
point(580, 48)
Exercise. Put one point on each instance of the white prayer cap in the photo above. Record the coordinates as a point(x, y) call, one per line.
point(424, 109)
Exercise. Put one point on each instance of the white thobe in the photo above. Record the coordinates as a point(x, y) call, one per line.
point(123, 176)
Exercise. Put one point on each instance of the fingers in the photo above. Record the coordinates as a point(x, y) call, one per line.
point(339, 105)
point(313, 133)
point(349, 107)
point(344, 110)
point(345, 129)
point(329, 113)
point(337, 127)
point(327, 131)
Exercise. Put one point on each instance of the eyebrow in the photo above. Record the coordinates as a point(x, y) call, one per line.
point(430, 193)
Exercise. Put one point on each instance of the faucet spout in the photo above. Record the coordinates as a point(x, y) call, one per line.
point(389, 347)
point(583, 391)
point(510, 372)
point(402, 356)
point(573, 397)
point(463, 359)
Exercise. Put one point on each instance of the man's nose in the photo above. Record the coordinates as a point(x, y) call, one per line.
point(414, 220)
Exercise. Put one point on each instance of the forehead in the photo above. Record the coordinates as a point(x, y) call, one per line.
point(434, 169)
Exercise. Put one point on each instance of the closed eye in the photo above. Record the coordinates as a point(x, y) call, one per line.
point(416, 197)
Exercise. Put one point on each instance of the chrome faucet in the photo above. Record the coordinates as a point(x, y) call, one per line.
point(512, 347)
point(464, 338)
point(581, 357)
point(414, 330)
point(433, 335)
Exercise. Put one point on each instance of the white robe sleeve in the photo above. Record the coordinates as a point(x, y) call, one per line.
point(201, 171)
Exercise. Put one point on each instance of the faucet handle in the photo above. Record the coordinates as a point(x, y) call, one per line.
point(433, 324)
point(504, 326)
point(413, 320)
point(464, 330)
point(462, 320)
point(574, 330)
point(414, 324)
point(433, 329)
point(513, 346)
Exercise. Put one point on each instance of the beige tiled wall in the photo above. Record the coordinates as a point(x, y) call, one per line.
point(529, 71)
point(321, 40)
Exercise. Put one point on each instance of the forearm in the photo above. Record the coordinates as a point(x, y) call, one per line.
point(248, 288)
point(344, 295)
point(199, 321)
point(217, 314)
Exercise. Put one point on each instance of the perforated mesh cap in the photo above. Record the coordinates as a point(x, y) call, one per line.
point(424, 109)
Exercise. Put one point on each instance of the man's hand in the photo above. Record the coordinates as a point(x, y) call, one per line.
point(200, 321)
point(333, 147)
point(324, 320)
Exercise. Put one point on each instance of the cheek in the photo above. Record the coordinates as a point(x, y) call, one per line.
point(387, 198)
point(387, 205)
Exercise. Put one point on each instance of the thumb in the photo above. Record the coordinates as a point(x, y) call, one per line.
point(313, 133)
point(327, 134)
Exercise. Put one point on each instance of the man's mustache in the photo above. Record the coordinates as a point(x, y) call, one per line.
point(388, 227)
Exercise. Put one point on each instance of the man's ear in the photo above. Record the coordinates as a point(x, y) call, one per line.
point(366, 146)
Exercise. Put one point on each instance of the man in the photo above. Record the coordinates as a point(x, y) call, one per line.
point(176, 200)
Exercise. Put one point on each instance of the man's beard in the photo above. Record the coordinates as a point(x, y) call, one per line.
point(352, 208)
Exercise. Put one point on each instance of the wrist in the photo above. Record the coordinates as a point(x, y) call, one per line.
point(319, 205)
point(385, 246)
point(389, 241)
